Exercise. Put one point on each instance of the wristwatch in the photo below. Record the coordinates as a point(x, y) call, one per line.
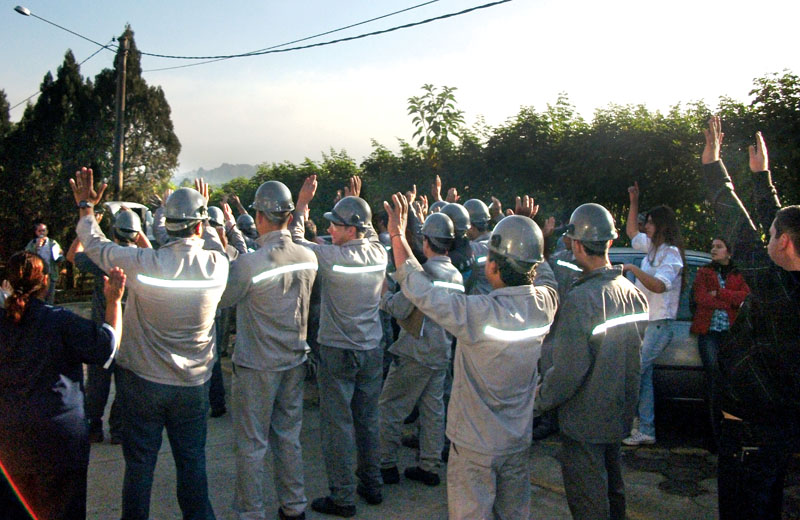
point(85, 204)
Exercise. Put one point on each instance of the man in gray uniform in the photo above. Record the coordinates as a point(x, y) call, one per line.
point(166, 354)
point(416, 376)
point(594, 380)
point(271, 288)
point(351, 274)
point(490, 416)
point(478, 235)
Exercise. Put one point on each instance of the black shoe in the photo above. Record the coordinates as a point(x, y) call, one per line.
point(95, 436)
point(410, 441)
point(327, 506)
point(116, 439)
point(284, 516)
point(390, 475)
point(429, 478)
point(544, 430)
point(372, 496)
point(218, 412)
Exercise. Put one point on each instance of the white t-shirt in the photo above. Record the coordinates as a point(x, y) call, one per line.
point(666, 266)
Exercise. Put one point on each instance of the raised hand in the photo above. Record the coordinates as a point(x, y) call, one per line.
point(495, 208)
point(307, 192)
point(411, 194)
point(452, 195)
point(549, 227)
point(202, 186)
point(759, 158)
point(227, 213)
point(526, 207)
point(83, 187)
point(114, 284)
point(714, 137)
point(436, 189)
point(633, 192)
point(353, 189)
point(398, 214)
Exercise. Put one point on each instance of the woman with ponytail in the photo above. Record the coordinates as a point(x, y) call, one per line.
point(44, 444)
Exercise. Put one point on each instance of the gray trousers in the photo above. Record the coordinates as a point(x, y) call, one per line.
point(593, 479)
point(410, 383)
point(481, 486)
point(349, 387)
point(267, 410)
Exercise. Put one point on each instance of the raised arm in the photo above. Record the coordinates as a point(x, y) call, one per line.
point(765, 196)
point(632, 224)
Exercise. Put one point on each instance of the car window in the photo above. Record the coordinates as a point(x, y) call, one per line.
point(692, 265)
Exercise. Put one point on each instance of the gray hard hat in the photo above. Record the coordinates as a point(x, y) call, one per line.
point(438, 225)
point(183, 208)
point(591, 223)
point(127, 224)
point(274, 200)
point(478, 211)
point(245, 221)
point(459, 215)
point(350, 211)
point(216, 217)
point(519, 240)
point(437, 206)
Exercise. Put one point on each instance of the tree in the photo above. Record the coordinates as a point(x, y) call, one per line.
point(436, 119)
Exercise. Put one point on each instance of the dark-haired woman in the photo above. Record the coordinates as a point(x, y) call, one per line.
point(660, 278)
point(719, 290)
point(44, 443)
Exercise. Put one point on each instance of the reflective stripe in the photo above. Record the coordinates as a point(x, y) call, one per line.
point(284, 269)
point(620, 320)
point(179, 284)
point(449, 285)
point(359, 269)
point(480, 259)
point(569, 265)
point(516, 335)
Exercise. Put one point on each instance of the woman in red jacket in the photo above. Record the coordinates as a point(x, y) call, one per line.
point(719, 290)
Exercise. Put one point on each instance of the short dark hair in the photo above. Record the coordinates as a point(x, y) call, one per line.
point(437, 244)
point(277, 218)
point(594, 247)
point(121, 239)
point(185, 232)
point(787, 220)
point(511, 274)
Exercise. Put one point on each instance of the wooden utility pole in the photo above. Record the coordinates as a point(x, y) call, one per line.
point(119, 134)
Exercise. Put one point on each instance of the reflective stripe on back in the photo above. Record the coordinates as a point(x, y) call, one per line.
point(179, 284)
point(284, 269)
point(358, 269)
point(516, 335)
point(449, 285)
point(569, 265)
point(620, 320)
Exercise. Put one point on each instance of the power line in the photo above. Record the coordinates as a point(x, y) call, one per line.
point(331, 42)
point(299, 40)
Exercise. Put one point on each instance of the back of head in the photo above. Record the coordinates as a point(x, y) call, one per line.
point(27, 274)
point(351, 211)
point(127, 225)
point(667, 230)
point(519, 242)
point(438, 229)
point(184, 209)
point(216, 217)
point(274, 200)
point(478, 213)
point(787, 220)
point(593, 226)
point(459, 215)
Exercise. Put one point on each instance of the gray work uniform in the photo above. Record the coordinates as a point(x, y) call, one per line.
point(565, 272)
point(351, 362)
point(165, 360)
point(478, 284)
point(594, 384)
point(271, 289)
point(416, 375)
point(490, 416)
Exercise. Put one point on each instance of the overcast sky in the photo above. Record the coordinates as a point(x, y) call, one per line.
point(294, 105)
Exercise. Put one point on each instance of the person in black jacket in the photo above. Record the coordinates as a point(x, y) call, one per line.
point(759, 362)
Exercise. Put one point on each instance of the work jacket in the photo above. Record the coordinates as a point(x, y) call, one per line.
point(271, 288)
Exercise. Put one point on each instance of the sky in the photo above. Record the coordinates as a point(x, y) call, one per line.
point(294, 105)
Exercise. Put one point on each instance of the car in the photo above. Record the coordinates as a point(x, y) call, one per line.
point(678, 374)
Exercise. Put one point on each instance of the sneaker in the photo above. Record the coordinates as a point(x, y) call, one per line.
point(372, 496)
point(638, 438)
point(390, 475)
point(284, 516)
point(429, 478)
point(327, 506)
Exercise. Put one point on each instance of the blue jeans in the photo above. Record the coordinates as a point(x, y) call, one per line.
point(349, 387)
point(147, 409)
point(656, 338)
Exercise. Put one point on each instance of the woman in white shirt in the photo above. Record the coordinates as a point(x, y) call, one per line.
point(660, 278)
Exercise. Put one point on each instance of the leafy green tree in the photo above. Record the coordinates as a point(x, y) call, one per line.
point(437, 120)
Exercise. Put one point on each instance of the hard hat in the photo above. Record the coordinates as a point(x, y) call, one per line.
point(437, 206)
point(274, 200)
point(518, 239)
point(183, 208)
point(591, 223)
point(438, 229)
point(245, 221)
point(458, 214)
point(478, 211)
point(127, 224)
point(216, 217)
point(350, 211)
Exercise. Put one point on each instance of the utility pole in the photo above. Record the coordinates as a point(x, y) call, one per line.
point(119, 137)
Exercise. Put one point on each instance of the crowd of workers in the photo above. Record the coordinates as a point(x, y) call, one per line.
point(492, 332)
